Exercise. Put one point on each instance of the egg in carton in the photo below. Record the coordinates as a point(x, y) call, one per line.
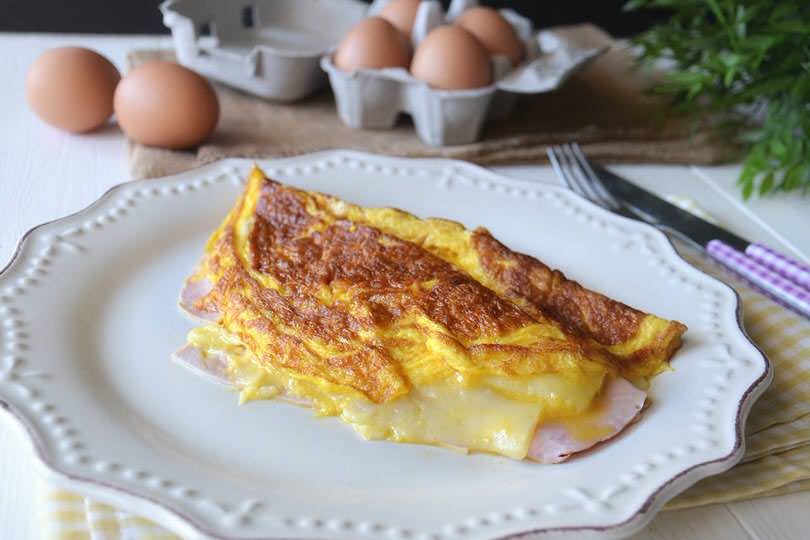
point(270, 48)
point(374, 98)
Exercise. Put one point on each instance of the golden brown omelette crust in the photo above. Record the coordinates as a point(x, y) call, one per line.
point(382, 265)
point(388, 278)
point(246, 304)
point(581, 311)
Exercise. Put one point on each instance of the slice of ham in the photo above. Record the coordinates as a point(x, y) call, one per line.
point(620, 403)
point(212, 366)
point(193, 291)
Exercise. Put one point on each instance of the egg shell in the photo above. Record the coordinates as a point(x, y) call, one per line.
point(450, 58)
point(402, 14)
point(373, 43)
point(164, 104)
point(493, 31)
point(72, 88)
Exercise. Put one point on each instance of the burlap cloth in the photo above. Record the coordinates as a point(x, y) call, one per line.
point(604, 107)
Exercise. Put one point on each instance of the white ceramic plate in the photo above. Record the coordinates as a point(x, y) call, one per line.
point(89, 320)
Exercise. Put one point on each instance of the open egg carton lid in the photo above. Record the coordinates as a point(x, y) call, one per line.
point(269, 48)
point(373, 98)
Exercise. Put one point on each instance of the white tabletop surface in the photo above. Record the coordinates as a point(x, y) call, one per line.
point(46, 174)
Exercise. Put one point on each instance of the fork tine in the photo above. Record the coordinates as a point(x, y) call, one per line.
point(563, 168)
point(584, 187)
point(551, 152)
point(603, 195)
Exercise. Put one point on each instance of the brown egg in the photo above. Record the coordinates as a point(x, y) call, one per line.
point(72, 88)
point(451, 58)
point(164, 104)
point(373, 43)
point(402, 14)
point(493, 31)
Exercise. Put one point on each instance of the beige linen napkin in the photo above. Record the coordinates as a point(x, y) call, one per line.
point(604, 107)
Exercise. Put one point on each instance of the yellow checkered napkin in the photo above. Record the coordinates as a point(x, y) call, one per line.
point(67, 516)
point(774, 474)
point(777, 458)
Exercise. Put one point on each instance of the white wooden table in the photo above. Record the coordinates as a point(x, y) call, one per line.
point(45, 174)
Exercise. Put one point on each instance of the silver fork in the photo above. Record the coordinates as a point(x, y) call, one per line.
point(571, 165)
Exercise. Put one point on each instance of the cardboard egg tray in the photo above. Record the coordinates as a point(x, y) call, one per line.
point(374, 98)
point(269, 48)
point(280, 49)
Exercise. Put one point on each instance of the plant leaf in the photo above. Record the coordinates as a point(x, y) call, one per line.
point(745, 62)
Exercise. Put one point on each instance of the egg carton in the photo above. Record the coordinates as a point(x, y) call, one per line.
point(269, 48)
point(374, 98)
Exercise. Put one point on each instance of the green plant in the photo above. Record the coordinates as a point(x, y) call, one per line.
point(749, 62)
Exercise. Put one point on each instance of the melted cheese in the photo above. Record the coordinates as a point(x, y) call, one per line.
point(494, 414)
point(590, 424)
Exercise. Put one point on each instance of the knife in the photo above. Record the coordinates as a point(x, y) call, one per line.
point(782, 278)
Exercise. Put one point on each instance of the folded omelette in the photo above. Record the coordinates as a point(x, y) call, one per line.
point(415, 330)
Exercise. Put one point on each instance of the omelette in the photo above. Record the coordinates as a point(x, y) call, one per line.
point(414, 330)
